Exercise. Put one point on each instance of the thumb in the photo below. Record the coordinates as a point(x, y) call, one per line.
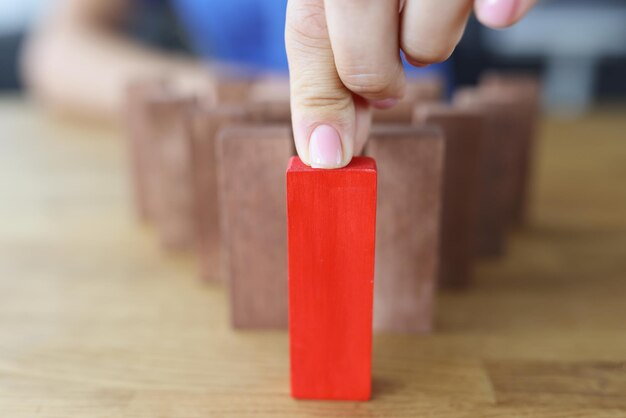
point(324, 112)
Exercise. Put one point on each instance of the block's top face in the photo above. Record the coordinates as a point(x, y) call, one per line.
point(401, 131)
point(206, 110)
point(472, 96)
point(360, 164)
point(250, 132)
point(438, 110)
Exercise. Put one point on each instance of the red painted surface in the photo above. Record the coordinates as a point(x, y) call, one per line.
point(331, 227)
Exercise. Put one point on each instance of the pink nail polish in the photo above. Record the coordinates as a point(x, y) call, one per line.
point(385, 104)
point(496, 13)
point(325, 150)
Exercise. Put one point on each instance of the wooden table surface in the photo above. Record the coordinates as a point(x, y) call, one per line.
point(95, 321)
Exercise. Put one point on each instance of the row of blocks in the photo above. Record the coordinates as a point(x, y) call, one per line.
point(209, 173)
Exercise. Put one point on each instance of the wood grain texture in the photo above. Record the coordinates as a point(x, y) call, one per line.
point(95, 321)
point(205, 123)
point(492, 225)
point(464, 132)
point(252, 161)
point(595, 384)
point(512, 116)
point(332, 230)
point(410, 166)
point(526, 90)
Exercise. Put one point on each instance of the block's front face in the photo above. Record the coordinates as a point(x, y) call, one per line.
point(175, 196)
point(140, 146)
point(410, 172)
point(204, 127)
point(332, 226)
point(525, 91)
point(464, 131)
point(510, 123)
point(253, 217)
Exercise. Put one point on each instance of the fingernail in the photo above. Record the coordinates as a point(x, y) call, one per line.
point(325, 147)
point(385, 104)
point(496, 12)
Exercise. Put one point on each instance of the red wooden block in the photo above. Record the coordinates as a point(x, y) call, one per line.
point(410, 176)
point(464, 131)
point(332, 226)
point(205, 123)
point(251, 161)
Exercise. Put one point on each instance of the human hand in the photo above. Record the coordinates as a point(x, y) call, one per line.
point(344, 56)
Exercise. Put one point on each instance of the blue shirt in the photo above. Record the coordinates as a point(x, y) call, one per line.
point(248, 33)
point(244, 32)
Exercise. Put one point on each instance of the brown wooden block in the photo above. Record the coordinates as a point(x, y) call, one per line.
point(418, 90)
point(524, 84)
point(410, 169)
point(172, 178)
point(400, 113)
point(503, 128)
point(491, 223)
point(464, 132)
point(205, 123)
point(268, 101)
point(138, 131)
point(270, 89)
point(273, 112)
point(233, 90)
point(526, 90)
point(252, 161)
point(430, 87)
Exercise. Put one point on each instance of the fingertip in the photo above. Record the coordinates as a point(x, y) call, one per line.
point(496, 14)
point(325, 147)
point(415, 63)
point(385, 103)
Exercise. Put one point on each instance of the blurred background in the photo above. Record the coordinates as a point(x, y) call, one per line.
point(95, 316)
point(577, 46)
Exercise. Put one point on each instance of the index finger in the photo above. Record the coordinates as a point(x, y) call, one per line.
point(324, 113)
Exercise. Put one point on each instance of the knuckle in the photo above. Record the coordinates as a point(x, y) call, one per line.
point(314, 93)
point(366, 83)
point(330, 104)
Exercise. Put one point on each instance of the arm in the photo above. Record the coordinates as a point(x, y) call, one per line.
point(78, 61)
